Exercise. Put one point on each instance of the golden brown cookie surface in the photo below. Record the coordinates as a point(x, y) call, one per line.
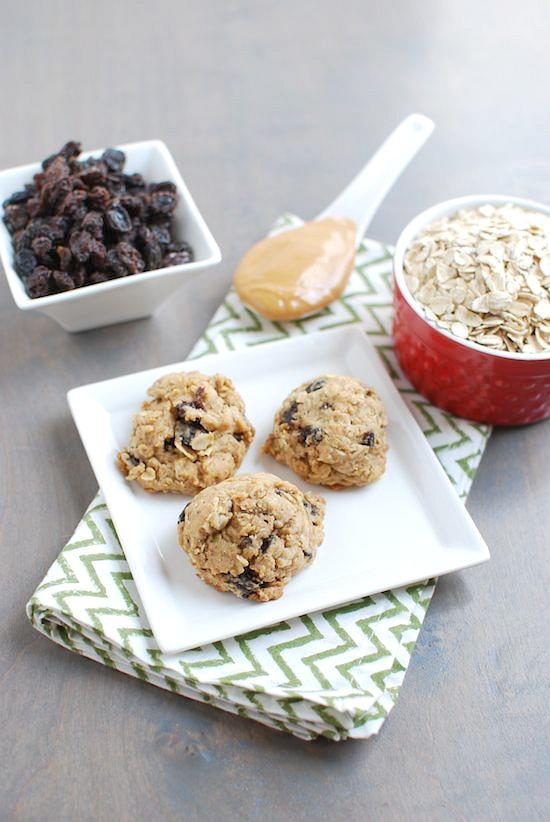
point(190, 433)
point(250, 534)
point(331, 431)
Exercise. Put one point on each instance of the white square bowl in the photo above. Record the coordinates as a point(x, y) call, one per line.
point(127, 298)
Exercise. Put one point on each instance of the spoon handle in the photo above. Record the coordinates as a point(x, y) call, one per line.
point(361, 198)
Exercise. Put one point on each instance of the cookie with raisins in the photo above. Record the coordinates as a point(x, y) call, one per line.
point(331, 431)
point(251, 533)
point(190, 433)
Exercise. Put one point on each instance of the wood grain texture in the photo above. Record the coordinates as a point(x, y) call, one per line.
point(268, 107)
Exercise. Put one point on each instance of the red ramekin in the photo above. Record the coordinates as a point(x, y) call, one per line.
point(459, 376)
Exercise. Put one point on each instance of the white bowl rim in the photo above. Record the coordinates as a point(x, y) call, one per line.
point(26, 303)
point(428, 216)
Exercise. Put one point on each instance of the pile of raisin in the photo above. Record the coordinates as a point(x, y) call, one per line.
point(82, 222)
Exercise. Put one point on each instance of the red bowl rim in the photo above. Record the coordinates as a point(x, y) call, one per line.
point(435, 212)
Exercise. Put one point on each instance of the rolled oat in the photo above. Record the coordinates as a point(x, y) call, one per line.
point(484, 275)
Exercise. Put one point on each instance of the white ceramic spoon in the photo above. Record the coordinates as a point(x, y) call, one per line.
point(361, 199)
point(295, 273)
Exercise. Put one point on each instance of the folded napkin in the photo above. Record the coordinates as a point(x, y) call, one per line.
point(334, 673)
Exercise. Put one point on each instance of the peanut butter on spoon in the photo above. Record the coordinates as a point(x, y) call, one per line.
point(299, 271)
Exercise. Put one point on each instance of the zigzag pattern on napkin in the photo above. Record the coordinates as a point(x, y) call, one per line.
point(334, 673)
point(96, 588)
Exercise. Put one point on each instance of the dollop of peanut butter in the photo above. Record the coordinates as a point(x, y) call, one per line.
point(299, 271)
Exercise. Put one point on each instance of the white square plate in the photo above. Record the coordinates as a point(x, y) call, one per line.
point(407, 527)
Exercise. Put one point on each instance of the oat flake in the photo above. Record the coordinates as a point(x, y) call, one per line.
point(484, 275)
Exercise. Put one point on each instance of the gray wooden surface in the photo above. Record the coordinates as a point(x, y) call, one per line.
point(269, 106)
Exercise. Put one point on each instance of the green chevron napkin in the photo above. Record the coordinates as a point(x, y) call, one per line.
point(334, 673)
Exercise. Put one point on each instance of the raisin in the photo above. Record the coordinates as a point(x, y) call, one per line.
point(315, 386)
point(40, 284)
point(114, 264)
point(99, 197)
point(246, 583)
point(113, 159)
point(57, 170)
point(197, 403)
point(26, 237)
point(169, 443)
point(134, 460)
point(310, 434)
point(16, 239)
point(130, 258)
point(78, 276)
point(152, 253)
point(238, 436)
point(58, 194)
point(41, 247)
point(200, 395)
point(181, 408)
point(186, 431)
point(94, 175)
point(150, 248)
point(98, 254)
point(74, 206)
point(133, 205)
point(181, 247)
point(368, 438)
point(37, 228)
point(25, 262)
point(289, 414)
point(144, 235)
point(166, 185)
point(178, 254)
point(64, 256)
point(70, 151)
point(245, 542)
point(118, 219)
point(56, 227)
point(133, 180)
point(93, 224)
point(311, 508)
point(80, 243)
point(173, 258)
point(163, 202)
point(33, 207)
point(266, 543)
point(181, 517)
point(37, 283)
point(63, 280)
point(115, 184)
point(48, 161)
point(19, 197)
point(161, 233)
point(15, 217)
